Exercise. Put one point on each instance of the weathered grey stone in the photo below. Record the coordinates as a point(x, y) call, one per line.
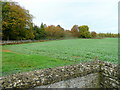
point(88, 75)
point(88, 81)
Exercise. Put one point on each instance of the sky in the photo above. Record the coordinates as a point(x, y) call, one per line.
point(100, 15)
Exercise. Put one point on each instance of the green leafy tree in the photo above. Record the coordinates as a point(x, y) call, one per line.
point(36, 32)
point(84, 31)
point(42, 30)
point(17, 22)
point(39, 32)
point(107, 35)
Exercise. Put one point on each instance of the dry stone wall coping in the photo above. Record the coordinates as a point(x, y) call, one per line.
point(110, 77)
point(52, 75)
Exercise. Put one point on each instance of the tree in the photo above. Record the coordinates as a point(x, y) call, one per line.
point(36, 32)
point(39, 32)
point(93, 34)
point(67, 34)
point(75, 31)
point(54, 32)
point(107, 35)
point(60, 28)
point(84, 31)
point(42, 29)
point(45, 25)
point(17, 22)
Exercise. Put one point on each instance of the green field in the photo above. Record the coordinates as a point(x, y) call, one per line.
point(32, 56)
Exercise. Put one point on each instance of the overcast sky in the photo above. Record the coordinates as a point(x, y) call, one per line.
point(99, 15)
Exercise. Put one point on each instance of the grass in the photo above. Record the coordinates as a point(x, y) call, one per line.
point(32, 56)
point(14, 63)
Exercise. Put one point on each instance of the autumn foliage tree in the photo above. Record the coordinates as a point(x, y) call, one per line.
point(54, 32)
point(68, 34)
point(17, 25)
point(93, 34)
point(16, 22)
point(75, 31)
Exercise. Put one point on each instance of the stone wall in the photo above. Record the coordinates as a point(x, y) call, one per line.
point(110, 76)
point(19, 42)
point(93, 74)
point(87, 81)
point(10, 42)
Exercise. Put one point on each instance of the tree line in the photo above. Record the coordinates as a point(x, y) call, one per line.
point(17, 25)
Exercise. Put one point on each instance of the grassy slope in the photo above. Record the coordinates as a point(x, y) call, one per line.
point(32, 56)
